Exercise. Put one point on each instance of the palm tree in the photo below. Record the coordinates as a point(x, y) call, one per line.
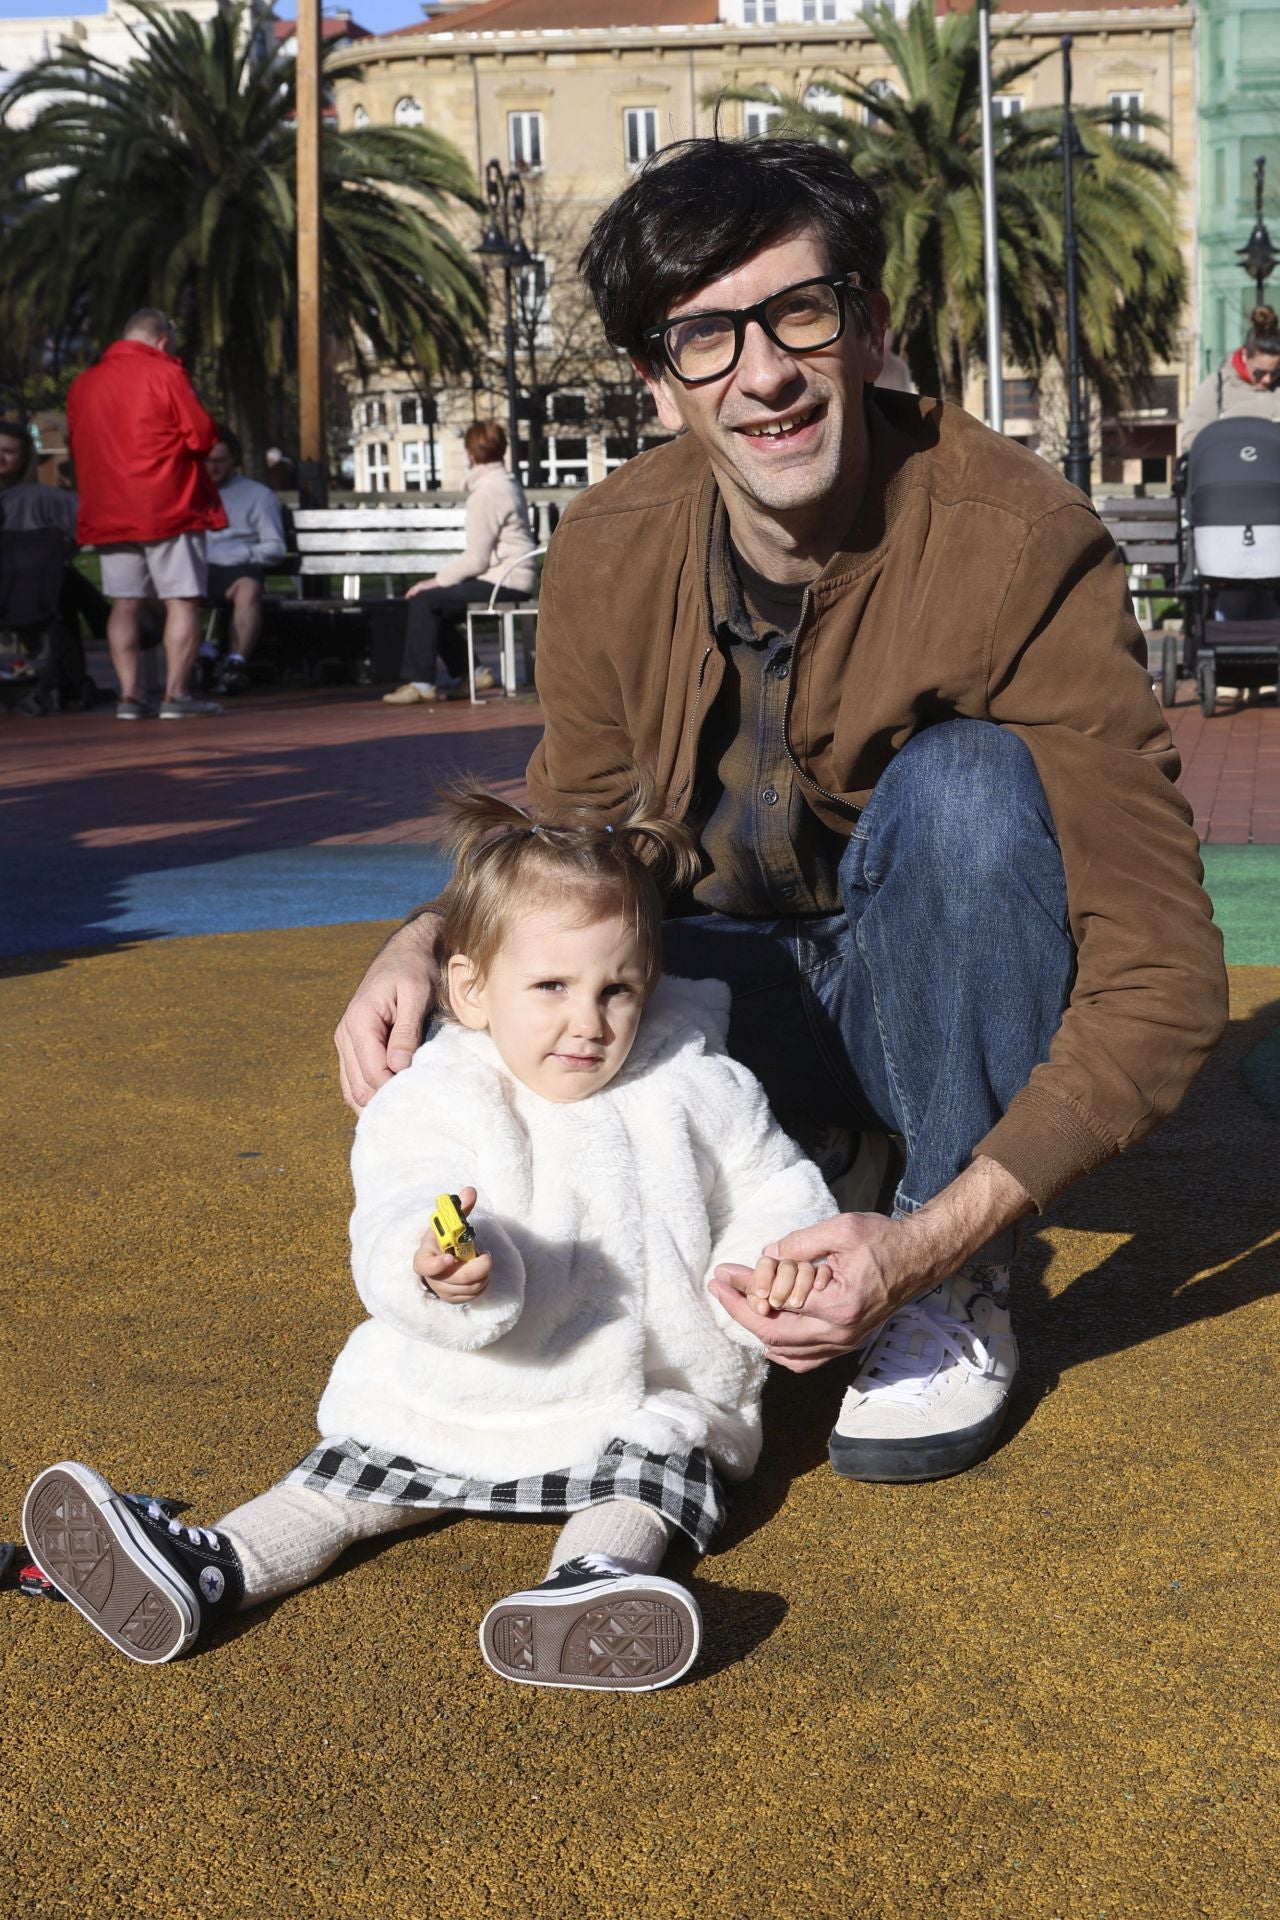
point(920, 145)
point(170, 182)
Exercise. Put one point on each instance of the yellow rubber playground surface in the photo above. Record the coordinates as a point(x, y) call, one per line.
point(1044, 1691)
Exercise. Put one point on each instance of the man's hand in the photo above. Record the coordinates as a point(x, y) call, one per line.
point(876, 1266)
point(446, 1277)
point(868, 1274)
point(420, 586)
point(377, 1034)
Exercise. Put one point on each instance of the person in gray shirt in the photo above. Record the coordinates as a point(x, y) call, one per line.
point(240, 554)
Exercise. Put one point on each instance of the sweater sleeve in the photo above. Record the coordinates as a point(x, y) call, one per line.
point(1149, 999)
point(764, 1186)
point(1201, 408)
point(407, 1151)
point(484, 523)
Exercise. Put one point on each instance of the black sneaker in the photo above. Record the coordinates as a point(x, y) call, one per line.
point(234, 677)
point(593, 1624)
point(143, 1580)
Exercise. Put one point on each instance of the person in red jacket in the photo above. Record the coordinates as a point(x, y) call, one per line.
point(138, 438)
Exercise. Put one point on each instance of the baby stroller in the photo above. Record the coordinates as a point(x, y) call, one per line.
point(1231, 572)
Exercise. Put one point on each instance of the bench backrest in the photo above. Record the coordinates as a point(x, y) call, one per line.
point(377, 540)
point(1146, 531)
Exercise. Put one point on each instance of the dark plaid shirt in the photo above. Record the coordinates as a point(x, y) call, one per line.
point(766, 853)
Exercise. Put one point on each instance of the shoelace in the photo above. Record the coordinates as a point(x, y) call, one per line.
point(902, 1375)
point(196, 1536)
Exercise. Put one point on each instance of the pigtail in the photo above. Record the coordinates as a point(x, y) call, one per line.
point(475, 819)
point(658, 842)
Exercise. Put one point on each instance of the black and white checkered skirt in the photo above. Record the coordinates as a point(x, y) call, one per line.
point(683, 1487)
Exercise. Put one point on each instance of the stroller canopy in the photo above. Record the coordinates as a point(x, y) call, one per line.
point(1233, 500)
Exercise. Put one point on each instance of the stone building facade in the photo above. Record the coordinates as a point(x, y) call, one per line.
point(576, 93)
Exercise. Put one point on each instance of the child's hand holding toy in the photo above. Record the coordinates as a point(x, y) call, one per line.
point(448, 1262)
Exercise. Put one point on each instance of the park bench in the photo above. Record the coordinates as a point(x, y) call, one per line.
point(1146, 532)
point(356, 545)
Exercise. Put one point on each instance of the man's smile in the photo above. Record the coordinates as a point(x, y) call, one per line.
point(788, 426)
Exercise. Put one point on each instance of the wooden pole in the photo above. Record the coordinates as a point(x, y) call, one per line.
point(311, 435)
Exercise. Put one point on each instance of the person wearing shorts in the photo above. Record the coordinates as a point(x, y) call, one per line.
point(138, 438)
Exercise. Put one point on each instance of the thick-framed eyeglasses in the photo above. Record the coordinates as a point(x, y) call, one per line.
point(706, 346)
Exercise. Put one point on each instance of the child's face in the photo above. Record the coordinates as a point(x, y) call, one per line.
point(562, 1002)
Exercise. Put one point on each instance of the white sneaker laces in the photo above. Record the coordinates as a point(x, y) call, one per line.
point(908, 1368)
point(197, 1536)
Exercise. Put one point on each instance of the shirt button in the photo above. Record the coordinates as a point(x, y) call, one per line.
point(788, 893)
point(770, 796)
point(780, 670)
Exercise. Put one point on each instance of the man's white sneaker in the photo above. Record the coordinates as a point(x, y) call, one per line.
point(932, 1390)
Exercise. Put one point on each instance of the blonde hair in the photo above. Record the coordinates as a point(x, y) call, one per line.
point(506, 856)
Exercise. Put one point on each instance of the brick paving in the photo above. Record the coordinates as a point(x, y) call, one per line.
point(337, 767)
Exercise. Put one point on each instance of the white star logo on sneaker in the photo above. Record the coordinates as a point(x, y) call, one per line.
point(213, 1584)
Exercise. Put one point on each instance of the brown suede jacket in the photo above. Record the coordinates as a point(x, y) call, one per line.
point(975, 582)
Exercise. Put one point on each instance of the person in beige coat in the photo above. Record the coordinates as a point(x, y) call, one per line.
point(1247, 382)
point(497, 534)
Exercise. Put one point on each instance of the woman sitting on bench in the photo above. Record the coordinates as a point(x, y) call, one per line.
point(497, 533)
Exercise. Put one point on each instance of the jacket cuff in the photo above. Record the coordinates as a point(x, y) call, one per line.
point(1046, 1145)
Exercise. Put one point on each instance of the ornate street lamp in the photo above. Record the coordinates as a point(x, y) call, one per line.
point(1257, 253)
point(1072, 148)
point(503, 242)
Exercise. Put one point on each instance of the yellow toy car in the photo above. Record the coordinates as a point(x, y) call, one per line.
point(452, 1230)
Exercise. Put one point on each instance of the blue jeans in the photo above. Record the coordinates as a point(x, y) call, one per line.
point(922, 1007)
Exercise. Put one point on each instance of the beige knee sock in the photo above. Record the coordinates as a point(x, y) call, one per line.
point(289, 1535)
point(628, 1531)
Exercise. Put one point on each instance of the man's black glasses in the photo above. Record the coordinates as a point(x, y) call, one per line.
point(706, 346)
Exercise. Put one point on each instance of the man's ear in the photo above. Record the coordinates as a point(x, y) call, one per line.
point(466, 993)
point(663, 396)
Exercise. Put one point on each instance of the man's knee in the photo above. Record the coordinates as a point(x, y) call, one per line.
point(964, 792)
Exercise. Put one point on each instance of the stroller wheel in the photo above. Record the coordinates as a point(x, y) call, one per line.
point(1207, 681)
point(1169, 671)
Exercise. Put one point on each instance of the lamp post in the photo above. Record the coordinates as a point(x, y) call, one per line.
point(503, 242)
point(990, 241)
point(1076, 464)
point(1257, 253)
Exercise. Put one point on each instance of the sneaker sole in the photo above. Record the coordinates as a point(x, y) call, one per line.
point(932, 1457)
point(624, 1639)
point(83, 1536)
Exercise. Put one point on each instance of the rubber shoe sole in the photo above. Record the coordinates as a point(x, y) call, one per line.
point(82, 1534)
point(623, 1636)
point(931, 1457)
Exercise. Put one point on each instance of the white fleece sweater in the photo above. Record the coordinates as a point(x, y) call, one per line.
point(605, 1218)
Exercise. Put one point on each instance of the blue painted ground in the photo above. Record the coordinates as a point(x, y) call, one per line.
point(55, 899)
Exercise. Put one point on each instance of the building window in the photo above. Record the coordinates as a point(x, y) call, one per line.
point(360, 117)
point(411, 411)
point(759, 13)
point(815, 10)
point(377, 466)
point(568, 409)
point(408, 112)
point(822, 100)
point(419, 465)
point(758, 116)
point(883, 90)
point(1021, 399)
point(1007, 106)
point(639, 134)
point(533, 301)
point(524, 141)
point(566, 460)
point(372, 414)
point(1124, 109)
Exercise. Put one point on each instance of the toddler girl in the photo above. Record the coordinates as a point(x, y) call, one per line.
point(609, 1154)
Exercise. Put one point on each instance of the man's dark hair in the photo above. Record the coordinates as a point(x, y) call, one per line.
point(231, 442)
point(699, 208)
